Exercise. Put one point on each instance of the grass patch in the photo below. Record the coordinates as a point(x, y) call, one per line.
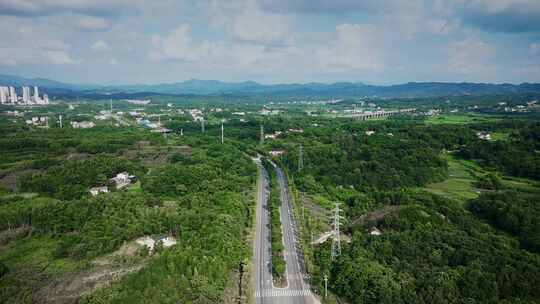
point(37, 251)
point(519, 183)
point(500, 136)
point(460, 119)
point(322, 201)
point(459, 184)
point(461, 177)
point(136, 187)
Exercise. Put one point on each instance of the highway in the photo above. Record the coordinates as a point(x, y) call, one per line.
point(297, 290)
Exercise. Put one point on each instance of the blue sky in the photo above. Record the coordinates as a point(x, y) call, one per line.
point(376, 42)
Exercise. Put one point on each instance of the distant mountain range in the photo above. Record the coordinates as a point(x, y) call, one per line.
point(338, 89)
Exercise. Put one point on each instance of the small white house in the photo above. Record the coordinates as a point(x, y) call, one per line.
point(273, 136)
point(276, 152)
point(296, 130)
point(82, 125)
point(374, 231)
point(97, 190)
point(483, 135)
point(369, 132)
point(122, 179)
point(151, 241)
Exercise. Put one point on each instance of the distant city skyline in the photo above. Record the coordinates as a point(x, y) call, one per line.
point(375, 42)
point(8, 96)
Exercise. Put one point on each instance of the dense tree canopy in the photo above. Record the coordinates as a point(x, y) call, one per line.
point(512, 211)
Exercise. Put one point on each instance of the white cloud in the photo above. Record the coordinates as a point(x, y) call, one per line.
point(52, 7)
point(441, 26)
point(340, 6)
point(91, 23)
point(510, 16)
point(497, 6)
point(299, 40)
point(534, 48)
point(255, 25)
point(470, 56)
point(34, 56)
point(7, 61)
point(100, 46)
point(58, 57)
point(356, 47)
point(245, 21)
point(179, 45)
point(31, 45)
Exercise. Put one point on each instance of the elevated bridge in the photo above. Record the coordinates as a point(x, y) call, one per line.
point(378, 114)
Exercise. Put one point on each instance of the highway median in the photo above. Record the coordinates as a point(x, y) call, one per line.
point(278, 262)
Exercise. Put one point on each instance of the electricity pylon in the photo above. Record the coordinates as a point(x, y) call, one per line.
point(336, 241)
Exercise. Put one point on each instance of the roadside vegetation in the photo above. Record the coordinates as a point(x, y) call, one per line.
point(277, 247)
point(417, 187)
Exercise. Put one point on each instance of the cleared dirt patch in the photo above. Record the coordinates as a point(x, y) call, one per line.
point(9, 235)
point(154, 155)
point(35, 276)
point(78, 156)
point(375, 216)
point(105, 270)
point(71, 287)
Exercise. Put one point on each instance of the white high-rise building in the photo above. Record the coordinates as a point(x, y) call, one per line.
point(26, 95)
point(4, 95)
point(45, 99)
point(12, 95)
point(36, 95)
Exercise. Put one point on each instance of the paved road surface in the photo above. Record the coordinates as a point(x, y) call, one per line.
point(298, 290)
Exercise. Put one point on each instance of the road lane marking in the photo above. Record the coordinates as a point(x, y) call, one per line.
point(272, 293)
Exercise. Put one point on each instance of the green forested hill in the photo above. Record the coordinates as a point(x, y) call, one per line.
point(432, 248)
point(53, 231)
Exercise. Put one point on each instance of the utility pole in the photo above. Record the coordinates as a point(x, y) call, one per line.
point(336, 242)
point(222, 134)
point(262, 135)
point(300, 158)
point(325, 285)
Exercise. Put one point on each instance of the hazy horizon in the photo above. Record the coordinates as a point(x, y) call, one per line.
point(173, 81)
